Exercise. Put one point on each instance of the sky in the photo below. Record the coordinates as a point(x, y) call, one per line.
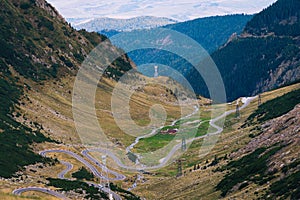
point(180, 10)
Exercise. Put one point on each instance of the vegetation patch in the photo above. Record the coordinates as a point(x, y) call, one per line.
point(126, 194)
point(275, 107)
point(154, 143)
point(287, 187)
point(15, 138)
point(83, 173)
point(251, 167)
point(77, 186)
point(202, 129)
point(160, 140)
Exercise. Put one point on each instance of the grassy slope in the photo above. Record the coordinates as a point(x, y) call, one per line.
point(15, 138)
point(43, 109)
point(200, 183)
point(282, 104)
point(160, 140)
point(38, 49)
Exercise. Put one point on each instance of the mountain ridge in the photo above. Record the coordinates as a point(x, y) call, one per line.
point(40, 56)
point(267, 60)
point(38, 46)
point(136, 23)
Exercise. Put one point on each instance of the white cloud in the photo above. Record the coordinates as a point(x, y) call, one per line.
point(181, 10)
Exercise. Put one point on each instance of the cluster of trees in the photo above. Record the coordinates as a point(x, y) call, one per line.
point(250, 168)
point(291, 187)
point(15, 138)
point(92, 193)
point(283, 105)
point(212, 32)
point(83, 173)
point(282, 18)
point(247, 64)
point(124, 193)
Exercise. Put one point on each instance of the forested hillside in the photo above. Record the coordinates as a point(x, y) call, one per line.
point(209, 32)
point(37, 45)
point(265, 56)
point(212, 32)
point(281, 19)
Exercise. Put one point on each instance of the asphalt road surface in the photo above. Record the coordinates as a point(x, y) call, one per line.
point(37, 189)
point(118, 176)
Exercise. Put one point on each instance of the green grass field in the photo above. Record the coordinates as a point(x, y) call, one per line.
point(160, 140)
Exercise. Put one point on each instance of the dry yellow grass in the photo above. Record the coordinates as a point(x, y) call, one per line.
point(28, 196)
point(50, 105)
point(200, 184)
point(6, 196)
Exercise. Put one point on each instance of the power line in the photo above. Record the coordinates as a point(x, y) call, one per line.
point(237, 112)
point(259, 100)
point(179, 168)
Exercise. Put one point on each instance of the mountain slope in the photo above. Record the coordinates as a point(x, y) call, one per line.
point(16, 138)
point(282, 19)
point(271, 158)
point(256, 157)
point(212, 32)
point(40, 57)
point(41, 44)
point(209, 32)
point(265, 56)
point(37, 45)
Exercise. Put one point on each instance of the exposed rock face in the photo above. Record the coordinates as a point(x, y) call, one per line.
point(50, 9)
point(285, 73)
point(284, 130)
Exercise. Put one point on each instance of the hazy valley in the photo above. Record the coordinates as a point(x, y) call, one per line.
point(176, 143)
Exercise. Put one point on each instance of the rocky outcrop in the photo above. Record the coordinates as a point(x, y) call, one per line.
point(284, 131)
point(50, 9)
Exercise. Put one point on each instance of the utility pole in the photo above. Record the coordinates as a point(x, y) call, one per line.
point(183, 144)
point(259, 100)
point(179, 168)
point(237, 113)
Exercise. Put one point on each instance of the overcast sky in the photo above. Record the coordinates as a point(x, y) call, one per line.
point(179, 10)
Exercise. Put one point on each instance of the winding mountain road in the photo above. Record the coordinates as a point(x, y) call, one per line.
point(118, 176)
point(69, 166)
point(212, 123)
point(154, 131)
point(38, 189)
point(77, 157)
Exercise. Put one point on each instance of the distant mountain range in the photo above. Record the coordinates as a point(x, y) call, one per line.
point(256, 54)
point(209, 32)
point(100, 24)
point(179, 10)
